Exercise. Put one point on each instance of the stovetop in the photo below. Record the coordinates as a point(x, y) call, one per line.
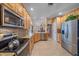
point(5, 41)
point(6, 49)
point(17, 50)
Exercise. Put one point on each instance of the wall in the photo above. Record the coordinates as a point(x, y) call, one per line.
point(37, 24)
point(74, 11)
point(54, 32)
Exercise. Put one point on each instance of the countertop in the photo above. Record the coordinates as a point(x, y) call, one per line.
point(29, 36)
point(41, 32)
point(26, 37)
point(7, 54)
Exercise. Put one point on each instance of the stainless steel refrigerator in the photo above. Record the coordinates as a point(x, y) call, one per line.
point(70, 36)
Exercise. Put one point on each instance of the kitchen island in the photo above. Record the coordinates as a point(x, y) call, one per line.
point(41, 36)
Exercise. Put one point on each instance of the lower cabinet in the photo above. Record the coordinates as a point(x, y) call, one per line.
point(44, 36)
point(31, 44)
point(25, 52)
point(36, 37)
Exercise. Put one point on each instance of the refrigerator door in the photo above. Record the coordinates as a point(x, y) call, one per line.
point(70, 35)
point(69, 38)
point(74, 37)
point(63, 34)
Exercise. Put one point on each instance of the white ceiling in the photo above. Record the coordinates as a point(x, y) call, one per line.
point(42, 10)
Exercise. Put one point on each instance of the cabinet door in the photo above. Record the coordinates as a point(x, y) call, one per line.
point(25, 20)
point(12, 6)
point(19, 9)
point(37, 37)
point(30, 47)
point(28, 22)
point(32, 43)
point(46, 36)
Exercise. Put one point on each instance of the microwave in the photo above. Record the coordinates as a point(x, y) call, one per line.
point(9, 18)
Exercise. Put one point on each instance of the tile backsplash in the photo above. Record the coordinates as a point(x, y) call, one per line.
point(20, 32)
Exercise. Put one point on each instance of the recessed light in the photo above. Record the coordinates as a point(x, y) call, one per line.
point(32, 9)
point(60, 13)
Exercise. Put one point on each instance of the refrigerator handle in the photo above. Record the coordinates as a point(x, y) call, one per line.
point(67, 32)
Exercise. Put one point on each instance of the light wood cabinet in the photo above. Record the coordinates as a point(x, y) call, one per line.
point(30, 47)
point(28, 22)
point(31, 44)
point(34, 39)
point(11, 6)
point(46, 36)
point(37, 37)
point(19, 9)
point(25, 20)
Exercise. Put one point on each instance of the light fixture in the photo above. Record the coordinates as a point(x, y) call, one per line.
point(32, 9)
point(50, 4)
point(60, 13)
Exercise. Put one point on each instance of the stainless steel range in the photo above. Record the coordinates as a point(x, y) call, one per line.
point(10, 43)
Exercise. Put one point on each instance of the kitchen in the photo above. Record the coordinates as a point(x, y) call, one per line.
point(15, 27)
point(24, 31)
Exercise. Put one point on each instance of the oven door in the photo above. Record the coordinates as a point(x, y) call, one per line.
point(24, 50)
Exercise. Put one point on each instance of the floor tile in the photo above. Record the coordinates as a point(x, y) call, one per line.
point(48, 48)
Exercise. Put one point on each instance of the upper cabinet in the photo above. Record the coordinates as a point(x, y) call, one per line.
point(28, 21)
point(20, 10)
point(11, 6)
point(25, 19)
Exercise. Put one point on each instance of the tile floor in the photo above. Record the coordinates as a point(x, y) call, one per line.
point(48, 48)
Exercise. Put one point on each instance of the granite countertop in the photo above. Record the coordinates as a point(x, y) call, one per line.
point(7, 54)
point(28, 36)
point(41, 32)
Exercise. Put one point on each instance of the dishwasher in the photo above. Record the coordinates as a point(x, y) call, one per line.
point(42, 36)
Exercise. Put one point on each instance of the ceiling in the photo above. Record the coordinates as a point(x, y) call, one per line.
point(41, 10)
